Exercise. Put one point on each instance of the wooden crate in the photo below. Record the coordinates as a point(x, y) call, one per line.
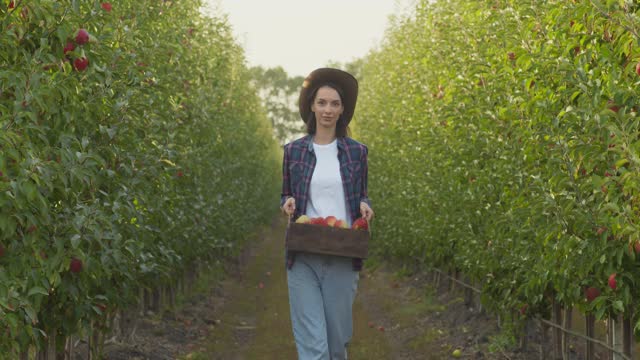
point(328, 240)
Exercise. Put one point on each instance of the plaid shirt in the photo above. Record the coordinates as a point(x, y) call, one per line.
point(299, 163)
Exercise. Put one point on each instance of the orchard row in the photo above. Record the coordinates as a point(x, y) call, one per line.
point(505, 145)
point(128, 135)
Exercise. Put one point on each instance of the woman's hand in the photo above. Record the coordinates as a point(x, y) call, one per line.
point(289, 206)
point(366, 211)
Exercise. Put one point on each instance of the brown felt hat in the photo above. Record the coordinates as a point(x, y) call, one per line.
point(345, 81)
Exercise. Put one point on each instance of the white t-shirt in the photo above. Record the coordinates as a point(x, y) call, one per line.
point(326, 193)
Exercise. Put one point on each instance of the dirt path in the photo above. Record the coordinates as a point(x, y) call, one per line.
point(246, 317)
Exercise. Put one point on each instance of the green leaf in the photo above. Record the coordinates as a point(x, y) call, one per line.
point(38, 290)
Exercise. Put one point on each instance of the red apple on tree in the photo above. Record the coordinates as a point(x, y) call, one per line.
point(81, 64)
point(591, 293)
point(106, 6)
point(68, 47)
point(82, 37)
point(613, 284)
point(76, 265)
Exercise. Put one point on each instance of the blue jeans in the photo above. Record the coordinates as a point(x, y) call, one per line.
point(322, 289)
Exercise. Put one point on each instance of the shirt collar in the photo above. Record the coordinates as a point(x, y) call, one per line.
point(341, 143)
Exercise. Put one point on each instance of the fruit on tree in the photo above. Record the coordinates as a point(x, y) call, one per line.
point(456, 353)
point(303, 219)
point(360, 224)
point(613, 284)
point(523, 309)
point(591, 293)
point(68, 47)
point(106, 6)
point(638, 69)
point(81, 64)
point(76, 265)
point(82, 37)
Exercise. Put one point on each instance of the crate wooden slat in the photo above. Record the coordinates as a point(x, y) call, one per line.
point(328, 240)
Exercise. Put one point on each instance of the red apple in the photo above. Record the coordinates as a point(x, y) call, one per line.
point(318, 221)
point(68, 47)
point(81, 63)
point(613, 106)
point(360, 224)
point(523, 309)
point(12, 4)
point(76, 265)
point(341, 224)
point(591, 293)
point(613, 284)
point(380, 328)
point(331, 220)
point(106, 6)
point(82, 37)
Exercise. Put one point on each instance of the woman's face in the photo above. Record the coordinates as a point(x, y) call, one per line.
point(327, 107)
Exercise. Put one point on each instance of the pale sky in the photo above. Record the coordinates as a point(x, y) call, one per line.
point(302, 35)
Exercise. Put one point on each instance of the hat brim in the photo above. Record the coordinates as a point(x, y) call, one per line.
point(347, 83)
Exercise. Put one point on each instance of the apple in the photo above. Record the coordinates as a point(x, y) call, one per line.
point(380, 328)
point(303, 219)
point(76, 265)
point(82, 37)
point(106, 6)
point(591, 293)
point(68, 47)
point(341, 224)
point(331, 220)
point(81, 63)
point(613, 284)
point(638, 68)
point(318, 221)
point(12, 4)
point(360, 224)
point(635, 247)
point(456, 353)
point(523, 309)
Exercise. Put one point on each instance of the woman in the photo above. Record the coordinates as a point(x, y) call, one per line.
point(324, 173)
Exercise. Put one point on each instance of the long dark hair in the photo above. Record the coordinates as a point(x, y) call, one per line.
point(342, 128)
